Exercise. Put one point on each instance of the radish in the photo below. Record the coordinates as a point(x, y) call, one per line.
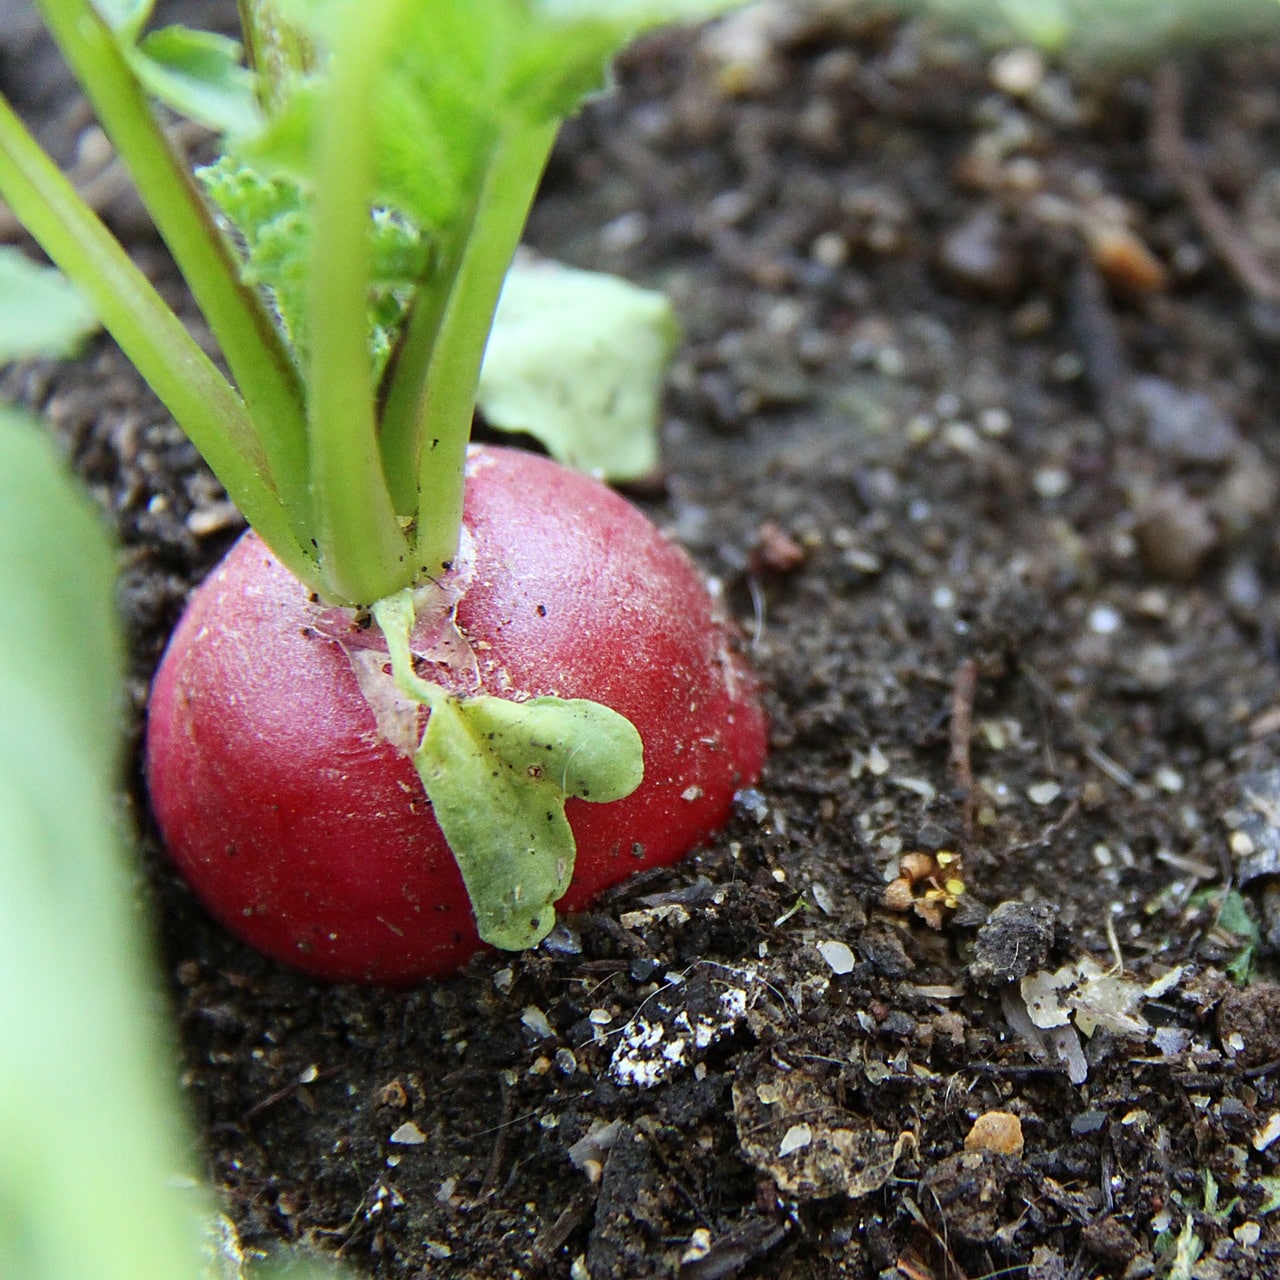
point(432, 695)
point(302, 824)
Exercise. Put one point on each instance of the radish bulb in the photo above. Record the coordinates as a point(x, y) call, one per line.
point(282, 744)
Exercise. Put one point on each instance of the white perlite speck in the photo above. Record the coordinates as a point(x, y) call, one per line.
point(650, 1048)
point(796, 1138)
point(408, 1135)
point(1043, 793)
point(838, 956)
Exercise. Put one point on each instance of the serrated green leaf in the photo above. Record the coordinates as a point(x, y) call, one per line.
point(273, 218)
point(42, 314)
point(200, 74)
point(498, 774)
point(577, 359)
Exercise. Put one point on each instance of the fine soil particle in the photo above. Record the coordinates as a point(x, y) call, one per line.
point(973, 423)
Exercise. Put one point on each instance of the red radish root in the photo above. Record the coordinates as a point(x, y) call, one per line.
point(277, 750)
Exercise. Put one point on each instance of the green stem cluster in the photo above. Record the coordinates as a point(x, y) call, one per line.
point(357, 488)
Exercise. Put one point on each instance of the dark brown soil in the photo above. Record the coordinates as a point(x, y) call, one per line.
point(975, 422)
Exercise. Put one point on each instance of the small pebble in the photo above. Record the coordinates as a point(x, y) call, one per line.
point(1267, 1134)
point(977, 257)
point(699, 1247)
point(998, 1131)
point(1018, 72)
point(1186, 425)
point(536, 1021)
point(408, 1135)
point(1125, 262)
point(822, 899)
point(1051, 482)
point(1175, 534)
point(1104, 620)
point(995, 422)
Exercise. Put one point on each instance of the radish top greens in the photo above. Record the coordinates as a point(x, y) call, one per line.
point(380, 157)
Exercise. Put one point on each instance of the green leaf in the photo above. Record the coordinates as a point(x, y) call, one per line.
point(88, 1153)
point(126, 17)
point(498, 774)
point(1234, 923)
point(577, 359)
point(1234, 917)
point(200, 75)
point(461, 73)
point(274, 219)
point(42, 314)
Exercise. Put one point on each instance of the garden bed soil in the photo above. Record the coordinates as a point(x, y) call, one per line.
point(974, 425)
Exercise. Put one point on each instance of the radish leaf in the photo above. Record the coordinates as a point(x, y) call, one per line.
point(577, 359)
point(87, 1156)
point(273, 218)
point(497, 774)
point(41, 312)
point(198, 73)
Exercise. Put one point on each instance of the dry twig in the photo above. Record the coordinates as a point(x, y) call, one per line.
point(963, 692)
point(1171, 152)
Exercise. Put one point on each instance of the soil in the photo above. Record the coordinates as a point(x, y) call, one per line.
point(974, 423)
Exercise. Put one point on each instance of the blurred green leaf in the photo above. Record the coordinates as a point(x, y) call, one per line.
point(199, 74)
point(1140, 31)
point(89, 1147)
point(461, 73)
point(42, 314)
point(577, 359)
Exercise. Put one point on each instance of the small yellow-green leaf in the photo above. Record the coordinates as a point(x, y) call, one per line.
point(497, 774)
point(583, 748)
